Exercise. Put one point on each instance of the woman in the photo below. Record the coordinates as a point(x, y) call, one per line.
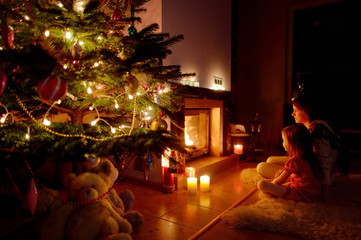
point(326, 143)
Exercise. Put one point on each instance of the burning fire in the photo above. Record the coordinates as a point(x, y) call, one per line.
point(188, 142)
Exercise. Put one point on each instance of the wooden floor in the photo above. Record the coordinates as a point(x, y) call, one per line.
point(179, 215)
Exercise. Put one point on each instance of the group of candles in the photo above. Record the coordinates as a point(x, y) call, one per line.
point(192, 181)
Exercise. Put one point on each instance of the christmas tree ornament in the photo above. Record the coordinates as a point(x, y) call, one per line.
point(158, 124)
point(117, 15)
point(132, 84)
point(32, 196)
point(52, 88)
point(91, 160)
point(7, 35)
point(2, 82)
point(76, 51)
point(132, 30)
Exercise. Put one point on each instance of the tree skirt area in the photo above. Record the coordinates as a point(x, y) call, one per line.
point(339, 218)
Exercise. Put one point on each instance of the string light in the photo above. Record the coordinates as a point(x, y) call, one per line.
point(89, 90)
point(116, 104)
point(5, 116)
point(27, 135)
point(46, 122)
point(68, 35)
point(46, 33)
point(130, 97)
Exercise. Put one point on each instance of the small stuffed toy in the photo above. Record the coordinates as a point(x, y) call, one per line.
point(122, 202)
point(94, 219)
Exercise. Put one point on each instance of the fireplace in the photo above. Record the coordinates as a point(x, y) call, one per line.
point(203, 132)
point(196, 132)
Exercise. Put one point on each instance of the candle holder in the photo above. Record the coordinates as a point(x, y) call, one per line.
point(239, 150)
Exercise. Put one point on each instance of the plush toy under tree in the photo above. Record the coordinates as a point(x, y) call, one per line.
point(62, 62)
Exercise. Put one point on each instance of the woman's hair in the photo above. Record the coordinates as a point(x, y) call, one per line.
point(300, 145)
point(306, 104)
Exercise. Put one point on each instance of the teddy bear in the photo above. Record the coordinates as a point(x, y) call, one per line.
point(122, 202)
point(93, 219)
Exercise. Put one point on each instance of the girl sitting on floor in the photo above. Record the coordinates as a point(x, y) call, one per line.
point(300, 179)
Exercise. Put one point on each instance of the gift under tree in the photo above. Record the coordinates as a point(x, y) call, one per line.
point(79, 82)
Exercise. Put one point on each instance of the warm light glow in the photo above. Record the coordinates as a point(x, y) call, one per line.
point(47, 33)
point(65, 66)
point(46, 122)
point(68, 35)
point(238, 149)
point(96, 64)
point(94, 122)
point(192, 185)
point(116, 104)
point(130, 96)
point(190, 172)
point(2, 120)
point(89, 90)
point(112, 130)
point(60, 5)
point(26, 17)
point(27, 136)
point(186, 138)
point(204, 183)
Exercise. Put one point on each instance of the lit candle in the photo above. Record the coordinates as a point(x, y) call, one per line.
point(190, 172)
point(192, 185)
point(238, 149)
point(204, 183)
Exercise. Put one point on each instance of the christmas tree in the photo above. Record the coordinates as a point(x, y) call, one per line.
point(65, 61)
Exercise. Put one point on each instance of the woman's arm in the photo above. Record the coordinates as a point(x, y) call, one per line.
point(281, 178)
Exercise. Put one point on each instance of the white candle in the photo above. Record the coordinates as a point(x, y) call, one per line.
point(192, 185)
point(204, 183)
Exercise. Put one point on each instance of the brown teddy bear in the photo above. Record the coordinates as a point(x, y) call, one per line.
point(95, 218)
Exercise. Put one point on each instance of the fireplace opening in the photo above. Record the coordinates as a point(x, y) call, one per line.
point(196, 134)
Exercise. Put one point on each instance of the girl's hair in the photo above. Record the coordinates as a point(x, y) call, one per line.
point(300, 145)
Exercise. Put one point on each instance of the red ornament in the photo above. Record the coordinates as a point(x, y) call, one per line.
point(7, 35)
point(117, 15)
point(2, 82)
point(52, 88)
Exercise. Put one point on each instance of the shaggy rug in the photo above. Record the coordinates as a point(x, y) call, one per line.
point(338, 219)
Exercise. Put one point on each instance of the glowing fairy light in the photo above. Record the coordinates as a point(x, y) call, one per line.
point(112, 130)
point(46, 33)
point(26, 17)
point(91, 108)
point(116, 105)
point(130, 96)
point(46, 122)
point(27, 135)
point(68, 35)
point(150, 108)
point(89, 90)
point(96, 64)
point(100, 38)
point(3, 118)
point(60, 5)
point(81, 43)
point(94, 122)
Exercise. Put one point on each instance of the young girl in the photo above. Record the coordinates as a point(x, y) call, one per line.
point(300, 179)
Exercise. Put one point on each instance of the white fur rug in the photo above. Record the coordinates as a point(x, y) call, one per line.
point(338, 219)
